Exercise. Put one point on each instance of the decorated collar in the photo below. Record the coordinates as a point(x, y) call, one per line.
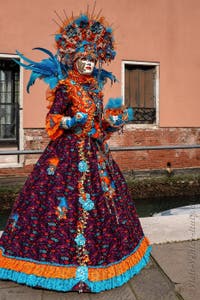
point(81, 79)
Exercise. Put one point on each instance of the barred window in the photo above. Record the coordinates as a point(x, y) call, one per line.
point(9, 101)
point(140, 91)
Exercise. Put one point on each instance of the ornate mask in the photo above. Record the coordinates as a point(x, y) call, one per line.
point(85, 65)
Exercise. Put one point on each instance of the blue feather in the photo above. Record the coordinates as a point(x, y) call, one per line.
point(82, 18)
point(109, 29)
point(50, 70)
point(102, 75)
point(114, 103)
point(32, 79)
point(25, 58)
point(130, 112)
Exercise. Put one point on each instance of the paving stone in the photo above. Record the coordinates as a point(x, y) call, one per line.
point(152, 284)
point(190, 290)
point(173, 259)
point(20, 293)
point(7, 284)
point(187, 291)
point(181, 262)
point(121, 293)
point(51, 295)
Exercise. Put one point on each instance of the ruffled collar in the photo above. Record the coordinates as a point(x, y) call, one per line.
point(86, 80)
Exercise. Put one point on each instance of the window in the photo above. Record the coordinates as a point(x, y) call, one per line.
point(141, 90)
point(9, 101)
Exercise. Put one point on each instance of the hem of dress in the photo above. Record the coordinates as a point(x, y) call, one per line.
point(67, 285)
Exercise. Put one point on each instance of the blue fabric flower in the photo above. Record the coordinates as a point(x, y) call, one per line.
point(63, 202)
point(82, 273)
point(51, 170)
point(88, 205)
point(83, 166)
point(80, 240)
point(81, 200)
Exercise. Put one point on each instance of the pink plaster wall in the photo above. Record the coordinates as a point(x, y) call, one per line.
point(165, 31)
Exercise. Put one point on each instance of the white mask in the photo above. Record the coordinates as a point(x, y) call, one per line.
point(85, 66)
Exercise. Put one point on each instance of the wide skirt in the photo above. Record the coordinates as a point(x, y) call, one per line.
point(74, 226)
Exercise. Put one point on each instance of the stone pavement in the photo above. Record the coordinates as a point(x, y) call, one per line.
point(173, 273)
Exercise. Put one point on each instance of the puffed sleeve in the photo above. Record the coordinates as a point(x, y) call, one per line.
point(57, 111)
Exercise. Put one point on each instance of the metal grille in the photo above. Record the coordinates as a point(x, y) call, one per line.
point(9, 122)
point(144, 115)
point(9, 101)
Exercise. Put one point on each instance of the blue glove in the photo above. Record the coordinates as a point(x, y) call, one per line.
point(115, 103)
point(117, 120)
point(69, 122)
point(121, 119)
point(79, 118)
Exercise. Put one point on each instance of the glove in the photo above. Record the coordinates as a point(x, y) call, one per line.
point(69, 122)
point(117, 120)
point(119, 115)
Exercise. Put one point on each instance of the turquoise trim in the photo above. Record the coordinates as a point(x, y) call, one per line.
point(82, 273)
point(65, 285)
point(62, 265)
point(117, 281)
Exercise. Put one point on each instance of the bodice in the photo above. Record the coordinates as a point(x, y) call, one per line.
point(84, 96)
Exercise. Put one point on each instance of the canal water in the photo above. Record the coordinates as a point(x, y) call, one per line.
point(3, 218)
point(148, 207)
point(145, 207)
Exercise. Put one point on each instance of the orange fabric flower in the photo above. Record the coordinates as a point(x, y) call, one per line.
point(54, 161)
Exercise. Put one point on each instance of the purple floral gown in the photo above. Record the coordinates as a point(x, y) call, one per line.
point(74, 226)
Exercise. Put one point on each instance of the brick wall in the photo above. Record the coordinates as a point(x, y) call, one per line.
point(144, 160)
point(34, 139)
point(134, 160)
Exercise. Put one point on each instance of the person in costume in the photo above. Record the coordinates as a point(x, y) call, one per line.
point(74, 226)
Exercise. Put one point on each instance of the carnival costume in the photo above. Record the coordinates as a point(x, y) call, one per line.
point(74, 226)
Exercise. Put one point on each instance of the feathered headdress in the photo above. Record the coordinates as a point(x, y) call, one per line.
point(85, 36)
point(80, 36)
